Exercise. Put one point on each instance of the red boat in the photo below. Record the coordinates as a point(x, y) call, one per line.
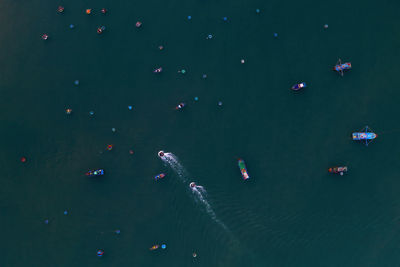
point(339, 170)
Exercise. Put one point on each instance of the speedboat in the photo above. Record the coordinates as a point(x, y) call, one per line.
point(93, 173)
point(161, 154)
point(243, 170)
point(298, 86)
point(159, 176)
point(339, 67)
point(192, 184)
point(339, 170)
point(180, 106)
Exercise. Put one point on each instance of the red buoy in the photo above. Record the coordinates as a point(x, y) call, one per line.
point(23, 159)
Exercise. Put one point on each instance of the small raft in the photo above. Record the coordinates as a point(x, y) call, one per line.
point(365, 135)
point(95, 173)
point(298, 86)
point(243, 169)
point(159, 176)
point(339, 170)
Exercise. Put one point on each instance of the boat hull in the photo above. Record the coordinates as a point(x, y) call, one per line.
point(95, 173)
point(298, 86)
point(364, 136)
point(160, 176)
point(243, 169)
point(339, 170)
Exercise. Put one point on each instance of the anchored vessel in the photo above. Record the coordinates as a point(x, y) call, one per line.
point(95, 173)
point(242, 167)
point(340, 67)
point(159, 176)
point(366, 135)
point(298, 86)
point(339, 170)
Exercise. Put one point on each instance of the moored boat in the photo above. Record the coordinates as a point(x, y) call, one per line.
point(159, 176)
point(98, 172)
point(339, 170)
point(180, 106)
point(154, 247)
point(339, 67)
point(298, 86)
point(365, 135)
point(243, 170)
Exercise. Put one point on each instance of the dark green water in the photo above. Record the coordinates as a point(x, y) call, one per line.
point(291, 212)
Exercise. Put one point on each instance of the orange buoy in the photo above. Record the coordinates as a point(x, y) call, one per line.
point(23, 159)
point(88, 11)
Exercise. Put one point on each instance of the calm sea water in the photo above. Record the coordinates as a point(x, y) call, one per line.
point(290, 213)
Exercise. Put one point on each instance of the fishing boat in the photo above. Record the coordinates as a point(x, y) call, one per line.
point(339, 170)
point(242, 167)
point(365, 135)
point(95, 173)
point(154, 247)
point(298, 86)
point(159, 176)
point(180, 106)
point(340, 67)
point(161, 154)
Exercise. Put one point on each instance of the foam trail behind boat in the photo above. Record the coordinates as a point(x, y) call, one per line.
point(171, 160)
point(200, 195)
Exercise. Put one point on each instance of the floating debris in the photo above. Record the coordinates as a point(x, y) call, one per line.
point(117, 231)
point(91, 113)
point(46, 221)
point(326, 26)
point(65, 212)
point(60, 9)
point(209, 36)
point(275, 34)
point(130, 107)
point(101, 29)
point(76, 82)
point(242, 61)
point(196, 98)
point(189, 17)
point(225, 18)
point(71, 26)
point(138, 24)
point(45, 36)
point(113, 129)
point(194, 255)
point(257, 10)
point(103, 11)
point(219, 103)
point(204, 76)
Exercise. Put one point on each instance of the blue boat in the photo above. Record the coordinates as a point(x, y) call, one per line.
point(95, 173)
point(365, 135)
point(298, 86)
point(339, 67)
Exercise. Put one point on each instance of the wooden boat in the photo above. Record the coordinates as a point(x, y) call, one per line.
point(340, 67)
point(339, 170)
point(159, 176)
point(364, 135)
point(154, 247)
point(243, 170)
point(95, 173)
point(298, 86)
